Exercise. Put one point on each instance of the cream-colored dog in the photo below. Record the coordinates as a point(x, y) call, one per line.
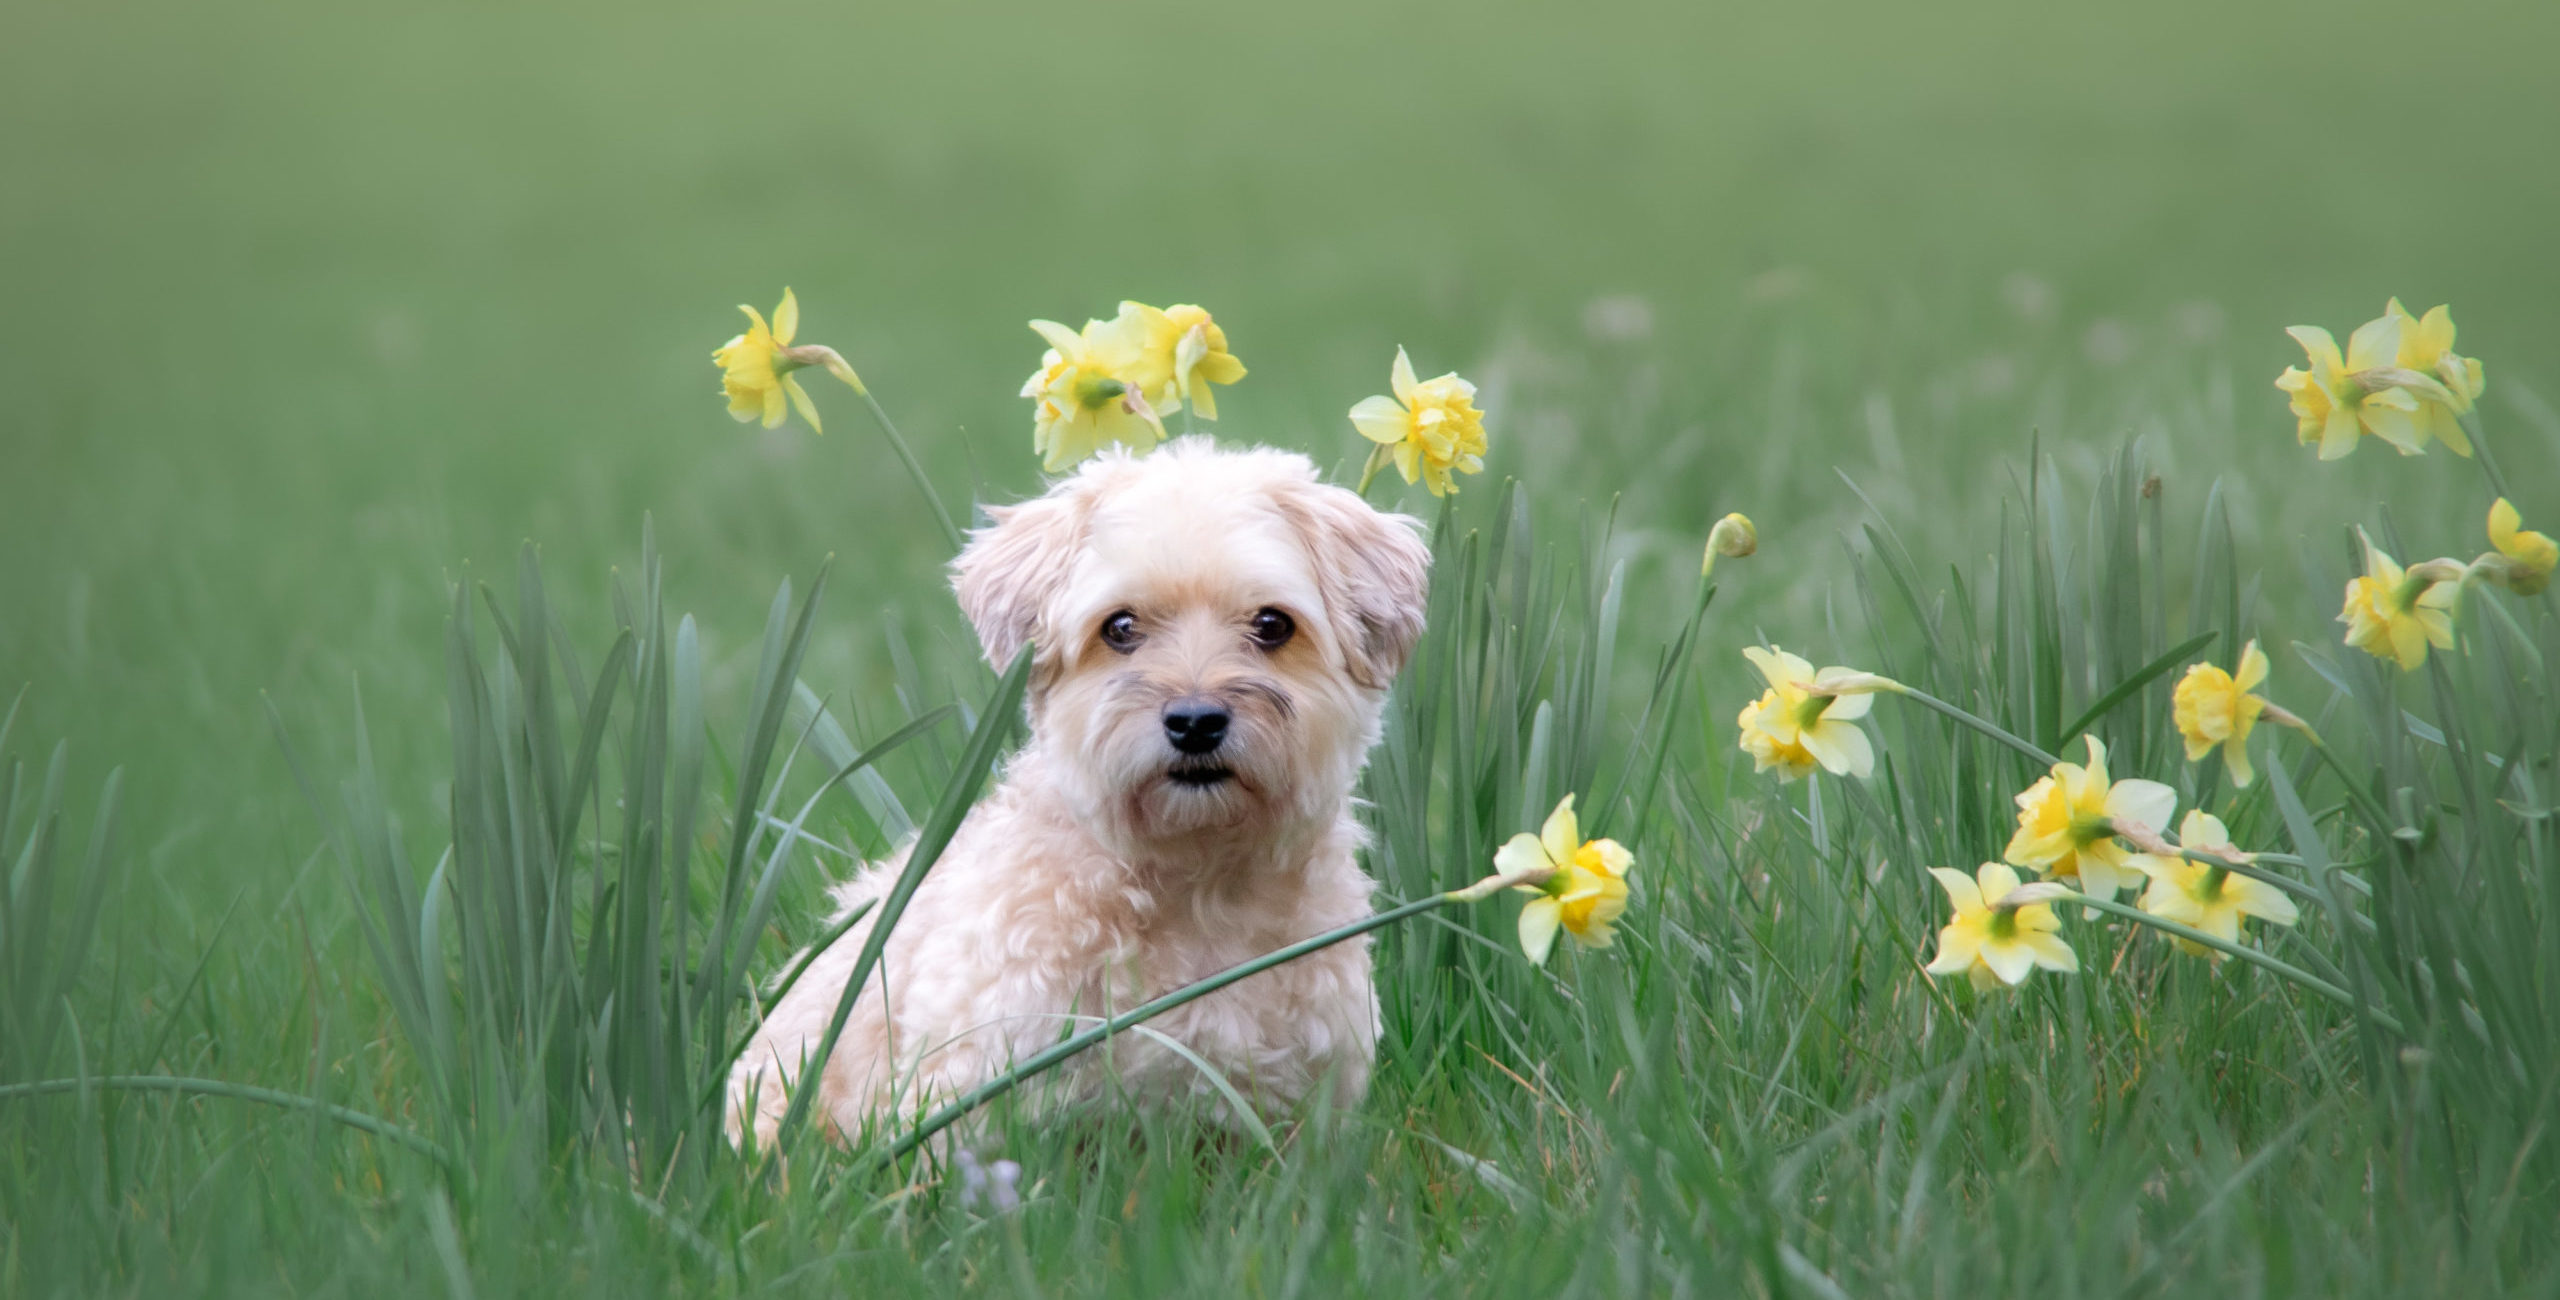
point(1214, 633)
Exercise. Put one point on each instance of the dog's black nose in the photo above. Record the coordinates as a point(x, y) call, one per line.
point(1195, 726)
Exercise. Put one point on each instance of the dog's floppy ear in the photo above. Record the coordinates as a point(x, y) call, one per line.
point(1375, 574)
point(1012, 569)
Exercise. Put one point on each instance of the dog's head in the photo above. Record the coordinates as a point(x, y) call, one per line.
point(1213, 634)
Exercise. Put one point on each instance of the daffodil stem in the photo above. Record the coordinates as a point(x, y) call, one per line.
point(354, 1119)
point(1369, 470)
point(915, 470)
point(1065, 1049)
point(1985, 726)
point(2253, 956)
point(2480, 451)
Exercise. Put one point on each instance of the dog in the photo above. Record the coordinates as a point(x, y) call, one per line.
point(1214, 633)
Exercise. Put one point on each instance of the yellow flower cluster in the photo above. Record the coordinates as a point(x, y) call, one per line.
point(1114, 381)
point(2072, 823)
point(2399, 381)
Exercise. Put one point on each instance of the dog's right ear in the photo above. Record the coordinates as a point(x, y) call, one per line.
point(1012, 570)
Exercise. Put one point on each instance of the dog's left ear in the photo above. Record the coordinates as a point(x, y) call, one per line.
point(1012, 569)
point(1374, 571)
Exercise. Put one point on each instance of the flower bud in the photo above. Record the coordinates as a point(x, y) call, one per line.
point(1733, 535)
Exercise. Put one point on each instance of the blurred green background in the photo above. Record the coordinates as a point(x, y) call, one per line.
point(313, 309)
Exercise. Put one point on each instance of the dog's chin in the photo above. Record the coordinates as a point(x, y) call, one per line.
point(1195, 794)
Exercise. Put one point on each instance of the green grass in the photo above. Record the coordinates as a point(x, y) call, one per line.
point(318, 314)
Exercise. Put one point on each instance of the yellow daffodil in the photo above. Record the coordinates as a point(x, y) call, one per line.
point(1995, 944)
point(755, 367)
point(2213, 707)
point(2426, 347)
point(2395, 614)
point(2531, 556)
point(1734, 537)
point(1430, 428)
point(1089, 392)
point(2332, 404)
point(1181, 353)
point(1806, 718)
point(1584, 887)
point(2205, 897)
point(2067, 823)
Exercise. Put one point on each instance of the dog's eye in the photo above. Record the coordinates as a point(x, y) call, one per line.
point(1120, 631)
point(1272, 629)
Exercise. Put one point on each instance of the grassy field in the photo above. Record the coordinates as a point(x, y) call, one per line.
point(317, 311)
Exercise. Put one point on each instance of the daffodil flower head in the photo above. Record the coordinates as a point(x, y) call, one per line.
point(2332, 403)
point(1997, 937)
point(1806, 719)
point(2530, 556)
point(2067, 823)
point(2213, 707)
point(1430, 427)
point(1578, 887)
point(2426, 348)
point(1733, 537)
point(2393, 614)
point(755, 368)
point(1089, 392)
point(2202, 896)
point(1181, 352)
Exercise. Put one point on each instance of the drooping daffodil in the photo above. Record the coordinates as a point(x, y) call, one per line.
point(2332, 402)
point(2067, 823)
point(1807, 718)
point(2426, 348)
point(2213, 707)
point(755, 367)
point(1998, 936)
point(2529, 557)
point(2202, 896)
point(1182, 351)
point(2395, 614)
point(1733, 537)
point(1577, 886)
point(1089, 392)
point(1430, 428)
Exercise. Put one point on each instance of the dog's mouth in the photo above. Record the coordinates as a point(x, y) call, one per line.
point(1198, 773)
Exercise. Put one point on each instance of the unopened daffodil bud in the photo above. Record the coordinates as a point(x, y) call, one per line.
point(1733, 535)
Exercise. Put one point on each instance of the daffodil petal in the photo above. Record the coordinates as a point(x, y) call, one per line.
point(1400, 379)
point(786, 318)
point(1539, 921)
point(1381, 420)
point(1522, 853)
